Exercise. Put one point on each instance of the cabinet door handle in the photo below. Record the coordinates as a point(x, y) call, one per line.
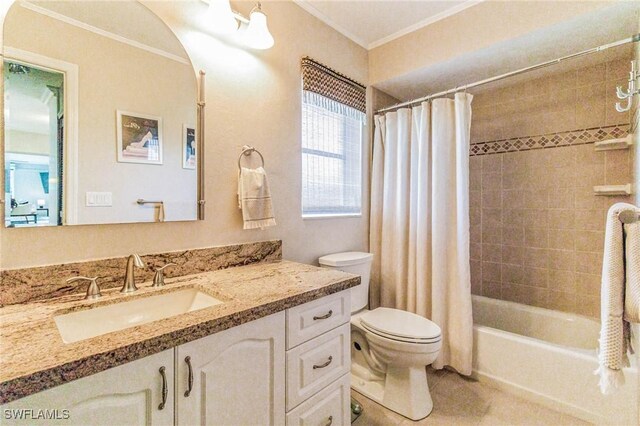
point(188, 391)
point(325, 364)
point(329, 421)
point(325, 316)
point(165, 391)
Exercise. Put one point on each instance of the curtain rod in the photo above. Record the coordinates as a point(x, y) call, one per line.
point(634, 38)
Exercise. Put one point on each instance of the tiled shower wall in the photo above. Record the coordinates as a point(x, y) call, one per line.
point(537, 229)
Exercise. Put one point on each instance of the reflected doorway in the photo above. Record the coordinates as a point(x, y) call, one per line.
point(34, 129)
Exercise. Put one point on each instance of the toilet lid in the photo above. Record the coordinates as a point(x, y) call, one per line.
point(400, 325)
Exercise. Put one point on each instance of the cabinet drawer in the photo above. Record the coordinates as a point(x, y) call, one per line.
point(330, 406)
point(307, 321)
point(314, 364)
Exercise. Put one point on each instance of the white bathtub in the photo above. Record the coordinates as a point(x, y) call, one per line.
point(549, 357)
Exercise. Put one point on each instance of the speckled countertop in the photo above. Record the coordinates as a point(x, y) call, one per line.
point(34, 357)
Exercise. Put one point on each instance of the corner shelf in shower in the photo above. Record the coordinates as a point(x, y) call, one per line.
point(611, 190)
point(614, 144)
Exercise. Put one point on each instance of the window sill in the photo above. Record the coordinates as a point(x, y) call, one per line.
point(330, 216)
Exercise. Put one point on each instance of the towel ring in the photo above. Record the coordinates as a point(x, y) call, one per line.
point(247, 151)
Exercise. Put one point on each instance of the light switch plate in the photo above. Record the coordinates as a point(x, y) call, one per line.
point(99, 199)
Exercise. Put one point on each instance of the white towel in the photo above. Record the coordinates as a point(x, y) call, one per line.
point(615, 330)
point(632, 285)
point(254, 198)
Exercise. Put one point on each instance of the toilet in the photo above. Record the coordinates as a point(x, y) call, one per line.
point(390, 348)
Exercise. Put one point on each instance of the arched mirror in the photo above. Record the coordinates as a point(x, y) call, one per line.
point(100, 110)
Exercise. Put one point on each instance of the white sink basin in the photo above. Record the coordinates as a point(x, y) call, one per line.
point(82, 325)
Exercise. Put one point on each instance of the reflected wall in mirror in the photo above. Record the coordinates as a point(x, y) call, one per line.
point(97, 97)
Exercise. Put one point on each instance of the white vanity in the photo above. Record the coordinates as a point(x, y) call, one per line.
point(290, 367)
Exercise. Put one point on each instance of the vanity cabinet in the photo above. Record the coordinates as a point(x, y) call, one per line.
point(129, 394)
point(291, 367)
point(235, 377)
point(319, 362)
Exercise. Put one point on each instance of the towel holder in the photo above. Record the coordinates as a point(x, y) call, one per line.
point(142, 201)
point(247, 151)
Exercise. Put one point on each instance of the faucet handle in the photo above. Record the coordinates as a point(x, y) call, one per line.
point(93, 290)
point(158, 277)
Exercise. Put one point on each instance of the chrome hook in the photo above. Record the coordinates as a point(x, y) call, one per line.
point(626, 108)
point(621, 93)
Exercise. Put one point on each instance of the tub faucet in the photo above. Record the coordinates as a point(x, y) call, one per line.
point(129, 277)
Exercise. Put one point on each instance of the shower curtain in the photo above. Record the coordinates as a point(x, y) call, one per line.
point(419, 230)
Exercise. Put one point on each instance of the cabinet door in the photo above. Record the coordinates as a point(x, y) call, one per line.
point(129, 394)
point(237, 376)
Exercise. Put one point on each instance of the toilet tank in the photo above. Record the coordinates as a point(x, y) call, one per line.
point(353, 262)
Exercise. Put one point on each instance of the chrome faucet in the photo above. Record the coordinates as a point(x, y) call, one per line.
point(129, 278)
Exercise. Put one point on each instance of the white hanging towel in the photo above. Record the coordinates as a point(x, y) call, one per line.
point(254, 198)
point(620, 277)
point(632, 287)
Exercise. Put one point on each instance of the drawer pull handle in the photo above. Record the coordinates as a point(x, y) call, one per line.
point(165, 391)
point(330, 421)
point(326, 364)
point(325, 316)
point(188, 391)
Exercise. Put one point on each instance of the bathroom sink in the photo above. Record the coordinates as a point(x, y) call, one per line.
point(81, 325)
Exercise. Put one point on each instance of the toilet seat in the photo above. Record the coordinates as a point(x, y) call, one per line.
point(400, 325)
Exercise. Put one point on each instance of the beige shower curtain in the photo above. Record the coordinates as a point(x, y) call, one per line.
point(419, 230)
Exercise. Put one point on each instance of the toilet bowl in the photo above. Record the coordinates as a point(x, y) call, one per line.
point(390, 348)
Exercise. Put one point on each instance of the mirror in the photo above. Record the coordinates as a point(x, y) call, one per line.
point(100, 109)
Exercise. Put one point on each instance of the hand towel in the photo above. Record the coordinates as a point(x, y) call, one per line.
point(160, 207)
point(632, 285)
point(254, 198)
point(615, 331)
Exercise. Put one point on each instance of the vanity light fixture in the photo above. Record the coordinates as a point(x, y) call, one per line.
point(221, 17)
point(253, 32)
point(257, 35)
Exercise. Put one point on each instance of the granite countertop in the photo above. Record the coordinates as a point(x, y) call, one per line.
point(34, 357)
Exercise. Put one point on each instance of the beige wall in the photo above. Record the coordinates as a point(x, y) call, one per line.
point(26, 142)
point(252, 98)
point(475, 28)
point(116, 76)
point(537, 228)
point(380, 99)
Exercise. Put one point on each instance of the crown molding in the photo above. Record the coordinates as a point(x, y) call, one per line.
point(424, 23)
point(321, 16)
point(308, 7)
point(60, 17)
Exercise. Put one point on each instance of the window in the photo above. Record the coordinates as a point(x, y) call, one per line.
point(331, 157)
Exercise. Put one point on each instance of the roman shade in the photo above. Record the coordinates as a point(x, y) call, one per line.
point(328, 83)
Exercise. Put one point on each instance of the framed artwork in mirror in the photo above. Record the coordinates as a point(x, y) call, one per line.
point(139, 138)
point(188, 147)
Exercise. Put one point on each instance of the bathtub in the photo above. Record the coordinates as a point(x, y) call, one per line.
point(549, 357)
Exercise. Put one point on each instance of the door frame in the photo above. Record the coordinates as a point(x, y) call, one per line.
point(70, 131)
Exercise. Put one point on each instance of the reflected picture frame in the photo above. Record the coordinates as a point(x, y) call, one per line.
point(139, 138)
point(189, 150)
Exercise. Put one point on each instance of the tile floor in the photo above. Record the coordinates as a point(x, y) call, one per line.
point(459, 401)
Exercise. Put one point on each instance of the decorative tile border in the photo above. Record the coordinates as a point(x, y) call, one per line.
point(549, 140)
point(46, 282)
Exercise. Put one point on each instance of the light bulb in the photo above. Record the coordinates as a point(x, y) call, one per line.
point(221, 17)
point(257, 35)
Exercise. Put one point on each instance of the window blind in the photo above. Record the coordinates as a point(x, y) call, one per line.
point(331, 145)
